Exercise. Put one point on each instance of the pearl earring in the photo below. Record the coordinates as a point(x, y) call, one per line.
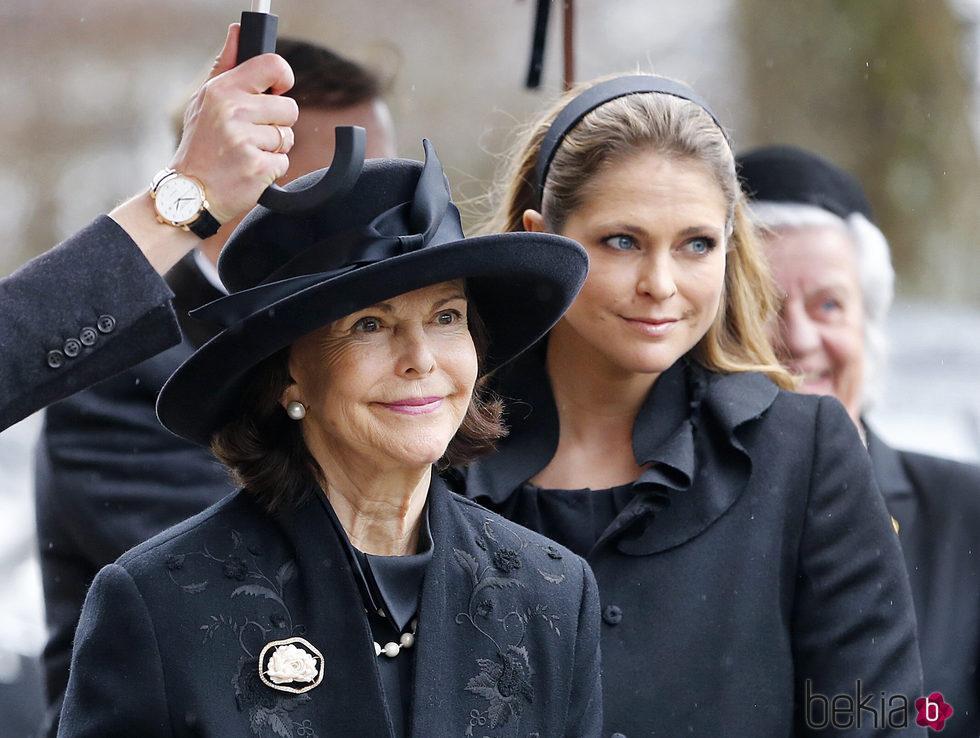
point(296, 410)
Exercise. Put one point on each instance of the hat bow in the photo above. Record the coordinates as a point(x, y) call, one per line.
point(428, 219)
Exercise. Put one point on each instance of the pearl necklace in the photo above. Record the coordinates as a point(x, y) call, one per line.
point(392, 649)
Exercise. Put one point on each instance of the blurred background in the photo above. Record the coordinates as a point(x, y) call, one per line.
point(888, 89)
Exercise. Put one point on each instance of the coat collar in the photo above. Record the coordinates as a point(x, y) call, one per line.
point(889, 473)
point(444, 595)
point(339, 628)
point(721, 407)
point(434, 689)
point(686, 431)
point(893, 481)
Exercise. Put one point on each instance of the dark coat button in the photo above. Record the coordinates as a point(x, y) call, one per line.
point(55, 359)
point(106, 324)
point(72, 347)
point(612, 614)
point(88, 336)
point(618, 735)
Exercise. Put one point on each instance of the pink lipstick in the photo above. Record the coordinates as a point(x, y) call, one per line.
point(652, 327)
point(414, 405)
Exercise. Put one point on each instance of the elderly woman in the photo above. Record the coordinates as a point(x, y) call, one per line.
point(741, 589)
point(833, 267)
point(343, 590)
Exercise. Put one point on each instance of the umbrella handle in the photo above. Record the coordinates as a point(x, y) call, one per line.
point(258, 36)
point(348, 158)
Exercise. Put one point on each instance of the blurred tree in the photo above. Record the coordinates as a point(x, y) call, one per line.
point(882, 88)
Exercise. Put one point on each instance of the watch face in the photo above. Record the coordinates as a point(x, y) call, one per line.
point(179, 199)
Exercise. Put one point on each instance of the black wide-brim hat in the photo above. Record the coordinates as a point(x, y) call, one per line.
point(393, 232)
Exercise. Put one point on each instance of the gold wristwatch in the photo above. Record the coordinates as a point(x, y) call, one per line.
point(180, 201)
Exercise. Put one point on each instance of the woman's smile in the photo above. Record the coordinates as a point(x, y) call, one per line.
point(414, 405)
point(820, 331)
point(652, 327)
point(392, 381)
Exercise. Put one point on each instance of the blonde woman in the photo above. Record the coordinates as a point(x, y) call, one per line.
point(651, 432)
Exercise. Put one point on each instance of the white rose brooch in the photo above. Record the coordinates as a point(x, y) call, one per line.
point(293, 665)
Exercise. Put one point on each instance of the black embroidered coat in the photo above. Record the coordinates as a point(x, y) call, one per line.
point(168, 642)
point(755, 557)
point(86, 309)
point(937, 505)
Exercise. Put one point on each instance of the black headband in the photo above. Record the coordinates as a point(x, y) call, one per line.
point(598, 95)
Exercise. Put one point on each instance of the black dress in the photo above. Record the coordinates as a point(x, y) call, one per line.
point(576, 517)
point(391, 589)
point(751, 569)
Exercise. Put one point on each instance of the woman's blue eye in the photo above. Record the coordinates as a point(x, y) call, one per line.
point(701, 245)
point(829, 304)
point(621, 242)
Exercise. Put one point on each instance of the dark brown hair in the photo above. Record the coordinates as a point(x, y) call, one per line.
point(266, 452)
point(327, 80)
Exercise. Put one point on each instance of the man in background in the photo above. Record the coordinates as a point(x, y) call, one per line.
point(108, 475)
point(833, 267)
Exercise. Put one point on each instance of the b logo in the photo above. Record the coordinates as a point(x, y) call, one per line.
point(934, 711)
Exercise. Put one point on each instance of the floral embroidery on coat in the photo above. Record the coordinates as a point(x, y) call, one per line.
point(505, 684)
point(270, 712)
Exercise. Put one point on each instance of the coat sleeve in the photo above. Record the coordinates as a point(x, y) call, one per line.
point(116, 686)
point(81, 312)
point(853, 620)
point(585, 709)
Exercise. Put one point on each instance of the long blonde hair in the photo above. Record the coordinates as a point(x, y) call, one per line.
point(737, 340)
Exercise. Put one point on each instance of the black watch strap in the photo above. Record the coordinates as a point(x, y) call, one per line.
point(205, 226)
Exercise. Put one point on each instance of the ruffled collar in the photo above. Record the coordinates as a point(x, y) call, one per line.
point(686, 431)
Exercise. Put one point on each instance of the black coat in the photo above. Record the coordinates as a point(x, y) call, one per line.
point(83, 311)
point(108, 476)
point(937, 505)
point(756, 556)
point(508, 632)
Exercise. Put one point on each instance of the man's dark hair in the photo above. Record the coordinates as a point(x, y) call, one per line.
point(325, 79)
